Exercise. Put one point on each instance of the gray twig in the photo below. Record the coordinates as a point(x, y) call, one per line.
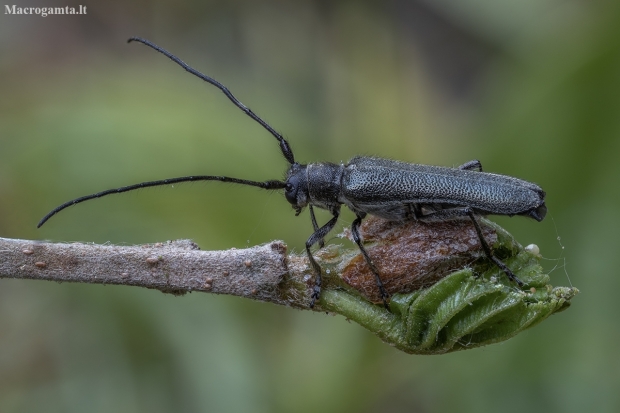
point(177, 267)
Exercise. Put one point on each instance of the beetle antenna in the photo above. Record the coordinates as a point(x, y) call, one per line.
point(284, 146)
point(264, 185)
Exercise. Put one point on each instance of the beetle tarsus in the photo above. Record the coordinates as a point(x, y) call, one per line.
point(507, 271)
point(316, 293)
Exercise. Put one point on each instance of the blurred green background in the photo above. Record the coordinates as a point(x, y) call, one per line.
point(531, 88)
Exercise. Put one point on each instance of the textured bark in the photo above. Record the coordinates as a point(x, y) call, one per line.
point(410, 256)
point(175, 267)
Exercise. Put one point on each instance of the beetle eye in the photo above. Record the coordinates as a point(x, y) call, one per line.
point(288, 187)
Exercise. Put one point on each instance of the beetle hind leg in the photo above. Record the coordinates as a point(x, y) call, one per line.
point(455, 213)
point(489, 253)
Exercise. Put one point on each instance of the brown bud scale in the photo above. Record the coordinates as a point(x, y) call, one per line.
point(413, 255)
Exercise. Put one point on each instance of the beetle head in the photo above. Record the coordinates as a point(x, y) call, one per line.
point(296, 189)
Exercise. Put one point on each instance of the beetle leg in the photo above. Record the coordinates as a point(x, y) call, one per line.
point(318, 236)
point(474, 165)
point(316, 227)
point(447, 214)
point(489, 253)
point(416, 209)
point(356, 237)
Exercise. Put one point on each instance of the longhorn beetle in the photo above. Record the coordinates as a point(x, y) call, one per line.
point(393, 190)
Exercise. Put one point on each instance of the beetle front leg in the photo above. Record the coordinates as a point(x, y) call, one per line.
point(356, 237)
point(318, 236)
point(316, 226)
point(447, 214)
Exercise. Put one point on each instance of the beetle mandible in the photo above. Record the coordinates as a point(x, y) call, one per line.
point(393, 190)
